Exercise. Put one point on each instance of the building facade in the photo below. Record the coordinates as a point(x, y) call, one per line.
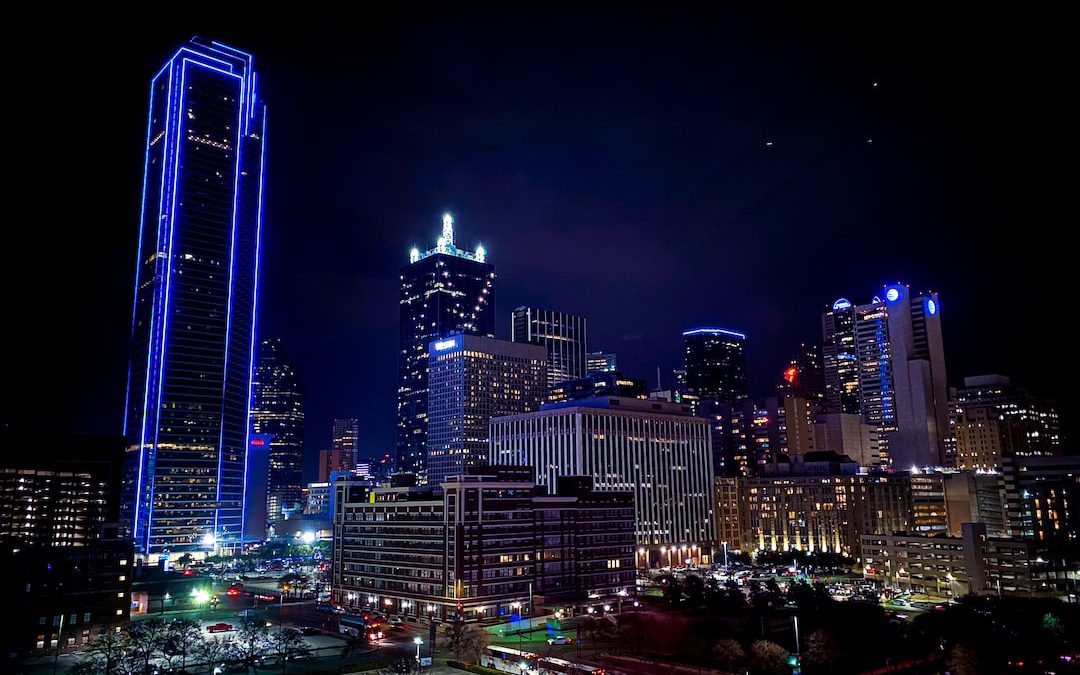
point(715, 363)
point(655, 450)
point(902, 386)
point(470, 380)
point(847, 434)
point(601, 362)
point(840, 358)
point(991, 418)
point(805, 511)
point(277, 410)
point(1042, 495)
point(193, 323)
point(345, 442)
point(606, 383)
point(562, 334)
point(804, 377)
point(480, 546)
point(443, 290)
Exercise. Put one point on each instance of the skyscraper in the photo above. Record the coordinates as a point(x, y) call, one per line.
point(902, 385)
point(716, 364)
point(443, 290)
point(841, 362)
point(991, 418)
point(277, 410)
point(601, 362)
point(193, 322)
point(562, 334)
point(804, 376)
point(345, 443)
point(472, 379)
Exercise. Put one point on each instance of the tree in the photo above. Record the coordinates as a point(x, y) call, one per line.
point(183, 639)
point(587, 628)
point(147, 640)
point(214, 651)
point(729, 654)
point(107, 648)
point(694, 589)
point(472, 643)
point(768, 658)
point(288, 582)
point(823, 653)
point(253, 639)
point(671, 586)
point(184, 560)
point(287, 644)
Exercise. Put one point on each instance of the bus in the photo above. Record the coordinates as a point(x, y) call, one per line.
point(509, 660)
point(357, 626)
point(549, 665)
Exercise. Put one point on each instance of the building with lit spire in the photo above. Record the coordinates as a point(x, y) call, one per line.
point(444, 290)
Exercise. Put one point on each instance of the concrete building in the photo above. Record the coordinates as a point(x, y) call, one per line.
point(481, 545)
point(730, 492)
point(715, 363)
point(1042, 497)
point(991, 418)
point(604, 383)
point(847, 434)
point(822, 504)
point(653, 449)
point(974, 562)
point(472, 379)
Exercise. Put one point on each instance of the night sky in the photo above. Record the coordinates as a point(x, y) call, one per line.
point(615, 164)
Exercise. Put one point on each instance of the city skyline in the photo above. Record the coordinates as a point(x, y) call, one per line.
point(656, 236)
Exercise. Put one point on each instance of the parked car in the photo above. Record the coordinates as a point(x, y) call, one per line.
point(310, 630)
point(560, 640)
point(220, 627)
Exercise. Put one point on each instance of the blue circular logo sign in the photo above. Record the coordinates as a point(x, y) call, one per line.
point(892, 295)
point(931, 307)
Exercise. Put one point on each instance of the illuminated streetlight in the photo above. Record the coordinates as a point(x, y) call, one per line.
point(308, 538)
point(417, 641)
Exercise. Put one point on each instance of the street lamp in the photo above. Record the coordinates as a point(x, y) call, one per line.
point(663, 550)
point(952, 593)
point(418, 641)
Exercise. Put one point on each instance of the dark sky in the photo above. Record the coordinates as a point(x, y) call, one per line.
point(613, 162)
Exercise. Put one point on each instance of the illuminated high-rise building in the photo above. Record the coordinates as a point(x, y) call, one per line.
point(804, 376)
point(902, 387)
point(472, 379)
point(277, 410)
point(193, 323)
point(345, 443)
point(562, 334)
point(841, 362)
point(443, 290)
point(601, 362)
point(716, 364)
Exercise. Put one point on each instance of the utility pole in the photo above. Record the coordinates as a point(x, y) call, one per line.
point(59, 636)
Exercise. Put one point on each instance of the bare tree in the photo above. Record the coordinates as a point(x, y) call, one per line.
point(214, 651)
point(287, 644)
point(106, 650)
point(183, 639)
point(147, 640)
point(253, 639)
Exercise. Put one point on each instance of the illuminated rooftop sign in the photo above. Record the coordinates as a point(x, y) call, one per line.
point(446, 345)
point(715, 331)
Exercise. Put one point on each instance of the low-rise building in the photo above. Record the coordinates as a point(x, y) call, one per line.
point(480, 545)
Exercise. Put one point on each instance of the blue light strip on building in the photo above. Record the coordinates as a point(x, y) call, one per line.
point(228, 303)
point(715, 331)
point(254, 319)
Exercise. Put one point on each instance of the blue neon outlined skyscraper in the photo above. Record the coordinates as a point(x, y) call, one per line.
point(187, 418)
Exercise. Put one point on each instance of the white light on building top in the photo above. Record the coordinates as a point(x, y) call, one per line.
point(481, 253)
point(414, 255)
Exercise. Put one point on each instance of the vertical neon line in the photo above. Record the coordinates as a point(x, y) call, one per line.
point(228, 308)
point(173, 189)
point(254, 314)
point(135, 301)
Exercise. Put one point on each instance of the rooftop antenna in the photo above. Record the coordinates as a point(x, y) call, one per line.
point(658, 385)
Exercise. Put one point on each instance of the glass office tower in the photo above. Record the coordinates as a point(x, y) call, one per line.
point(277, 410)
point(443, 290)
point(193, 323)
